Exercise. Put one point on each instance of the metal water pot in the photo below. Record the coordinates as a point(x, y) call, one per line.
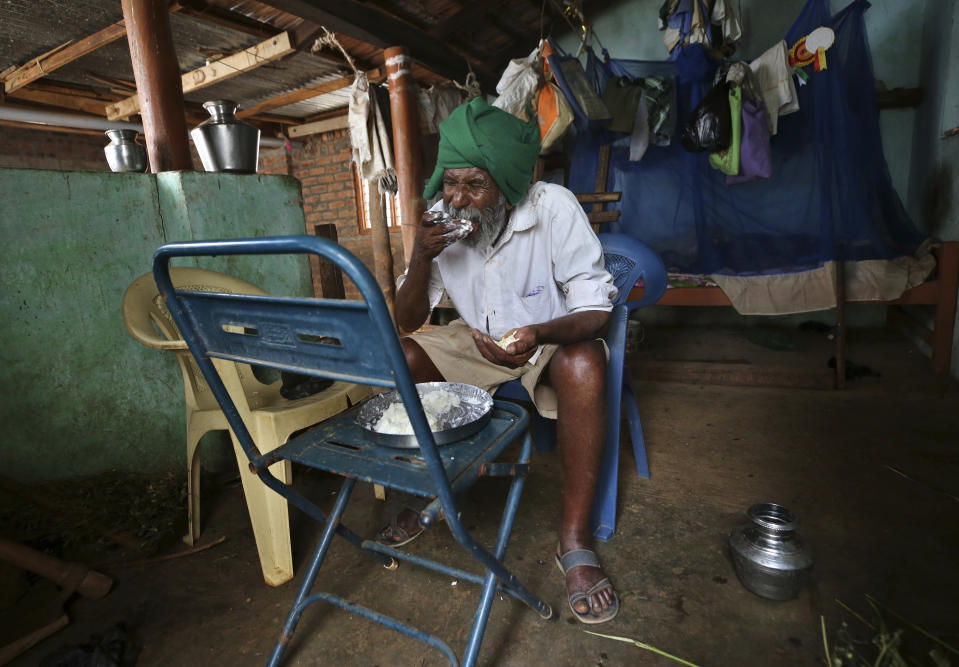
point(770, 559)
point(225, 143)
point(123, 153)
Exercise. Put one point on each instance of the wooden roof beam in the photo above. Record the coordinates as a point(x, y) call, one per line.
point(367, 24)
point(241, 61)
point(65, 54)
point(40, 67)
point(204, 11)
point(466, 18)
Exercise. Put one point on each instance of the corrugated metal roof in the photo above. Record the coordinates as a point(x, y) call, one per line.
point(484, 34)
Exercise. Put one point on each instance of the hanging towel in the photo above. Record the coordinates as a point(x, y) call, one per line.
point(369, 137)
point(639, 139)
point(776, 86)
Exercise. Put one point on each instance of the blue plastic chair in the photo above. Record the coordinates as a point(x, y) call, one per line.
point(353, 341)
point(626, 260)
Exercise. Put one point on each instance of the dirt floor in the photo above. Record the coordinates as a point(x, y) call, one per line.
point(730, 419)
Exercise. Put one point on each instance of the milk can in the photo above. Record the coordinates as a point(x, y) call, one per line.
point(123, 153)
point(770, 559)
point(225, 143)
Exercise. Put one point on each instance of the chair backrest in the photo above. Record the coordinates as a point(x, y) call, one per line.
point(628, 260)
point(149, 322)
point(353, 341)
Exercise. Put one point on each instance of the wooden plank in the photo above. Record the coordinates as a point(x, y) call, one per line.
point(603, 216)
point(305, 93)
point(241, 61)
point(597, 197)
point(49, 128)
point(91, 105)
point(320, 126)
point(687, 296)
point(40, 67)
point(946, 307)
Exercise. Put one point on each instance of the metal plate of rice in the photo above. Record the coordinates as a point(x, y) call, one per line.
point(458, 422)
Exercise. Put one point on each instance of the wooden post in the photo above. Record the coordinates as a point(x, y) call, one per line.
point(406, 143)
point(157, 76)
point(382, 253)
point(839, 343)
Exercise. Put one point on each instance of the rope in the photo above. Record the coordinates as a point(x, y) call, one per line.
point(330, 40)
point(471, 87)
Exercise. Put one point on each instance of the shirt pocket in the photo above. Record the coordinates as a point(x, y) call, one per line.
point(534, 299)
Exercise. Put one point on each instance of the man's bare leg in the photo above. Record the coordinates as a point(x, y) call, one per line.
point(577, 373)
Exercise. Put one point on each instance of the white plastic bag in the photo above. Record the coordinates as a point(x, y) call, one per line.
point(518, 85)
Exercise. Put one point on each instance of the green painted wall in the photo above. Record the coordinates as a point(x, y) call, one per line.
point(79, 395)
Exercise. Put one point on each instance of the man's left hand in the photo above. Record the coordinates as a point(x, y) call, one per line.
point(516, 353)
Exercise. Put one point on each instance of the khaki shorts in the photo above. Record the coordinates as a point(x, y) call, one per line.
point(453, 352)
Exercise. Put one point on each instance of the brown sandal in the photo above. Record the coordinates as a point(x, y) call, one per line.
point(587, 558)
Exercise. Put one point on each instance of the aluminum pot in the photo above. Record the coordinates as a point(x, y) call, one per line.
point(225, 143)
point(123, 153)
point(770, 559)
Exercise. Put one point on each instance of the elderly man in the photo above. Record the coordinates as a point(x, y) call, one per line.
point(526, 276)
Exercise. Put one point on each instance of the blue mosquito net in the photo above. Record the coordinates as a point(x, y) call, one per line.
point(830, 196)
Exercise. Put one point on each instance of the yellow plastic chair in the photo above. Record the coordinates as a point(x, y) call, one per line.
point(270, 418)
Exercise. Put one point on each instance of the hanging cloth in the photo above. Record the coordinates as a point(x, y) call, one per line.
point(775, 80)
point(369, 137)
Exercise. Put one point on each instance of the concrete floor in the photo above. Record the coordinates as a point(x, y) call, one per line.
point(714, 449)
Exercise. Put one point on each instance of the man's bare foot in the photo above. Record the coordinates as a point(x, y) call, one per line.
point(402, 529)
point(592, 597)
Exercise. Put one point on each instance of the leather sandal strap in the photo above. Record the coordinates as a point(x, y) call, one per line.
point(578, 558)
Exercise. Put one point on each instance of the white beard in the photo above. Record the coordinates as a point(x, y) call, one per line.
point(491, 221)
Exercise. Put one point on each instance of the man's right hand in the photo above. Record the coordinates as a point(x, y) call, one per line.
point(431, 238)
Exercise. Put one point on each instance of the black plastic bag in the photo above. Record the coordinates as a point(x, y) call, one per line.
point(296, 386)
point(709, 129)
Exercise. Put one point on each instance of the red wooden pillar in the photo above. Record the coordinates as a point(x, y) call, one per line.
point(158, 82)
point(406, 143)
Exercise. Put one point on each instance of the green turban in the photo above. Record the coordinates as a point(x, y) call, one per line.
point(478, 134)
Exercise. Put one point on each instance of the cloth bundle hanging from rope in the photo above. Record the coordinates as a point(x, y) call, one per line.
point(369, 137)
point(369, 134)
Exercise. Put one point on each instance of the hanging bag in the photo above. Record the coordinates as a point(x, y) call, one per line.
point(755, 158)
point(553, 112)
point(727, 161)
point(709, 128)
point(571, 79)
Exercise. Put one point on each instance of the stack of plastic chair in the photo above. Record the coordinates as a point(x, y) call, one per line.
point(353, 341)
point(627, 260)
point(272, 417)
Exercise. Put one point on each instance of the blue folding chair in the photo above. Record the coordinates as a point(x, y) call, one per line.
point(353, 341)
point(627, 260)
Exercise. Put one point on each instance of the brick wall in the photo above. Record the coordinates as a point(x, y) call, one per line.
point(321, 164)
point(22, 148)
